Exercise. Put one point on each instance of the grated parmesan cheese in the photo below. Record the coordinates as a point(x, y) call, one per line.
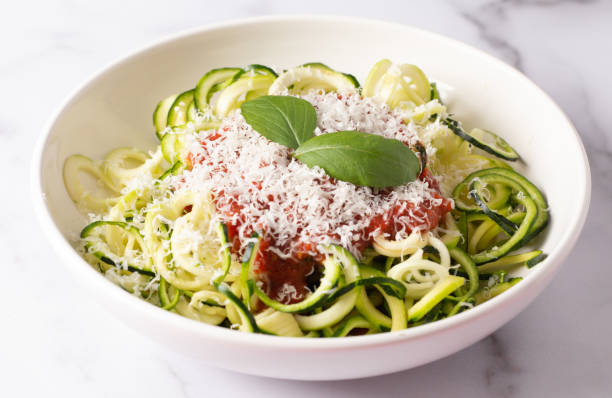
point(293, 204)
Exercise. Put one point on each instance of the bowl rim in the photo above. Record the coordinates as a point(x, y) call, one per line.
point(93, 278)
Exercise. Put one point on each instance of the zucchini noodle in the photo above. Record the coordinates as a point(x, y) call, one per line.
point(174, 247)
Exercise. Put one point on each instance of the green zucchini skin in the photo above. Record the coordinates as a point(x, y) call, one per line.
point(160, 115)
point(389, 285)
point(208, 81)
point(167, 303)
point(260, 69)
point(508, 226)
point(469, 267)
point(434, 94)
point(508, 154)
point(393, 303)
point(171, 146)
point(352, 323)
point(536, 260)
point(222, 231)
point(434, 297)
point(130, 268)
point(256, 69)
point(517, 238)
point(321, 65)
point(513, 179)
point(248, 321)
point(177, 114)
point(247, 286)
point(486, 294)
point(173, 170)
point(320, 296)
point(89, 233)
point(463, 228)
point(507, 263)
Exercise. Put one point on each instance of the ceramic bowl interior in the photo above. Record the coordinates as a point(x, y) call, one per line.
point(114, 109)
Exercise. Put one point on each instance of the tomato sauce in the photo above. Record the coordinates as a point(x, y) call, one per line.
point(286, 280)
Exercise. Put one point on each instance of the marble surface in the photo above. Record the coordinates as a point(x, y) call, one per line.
point(54, 340)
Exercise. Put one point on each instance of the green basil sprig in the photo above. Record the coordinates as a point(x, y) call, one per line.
point(361, 158)
point(290, 121)
point(352, 156)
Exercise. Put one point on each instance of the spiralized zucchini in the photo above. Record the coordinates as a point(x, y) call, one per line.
point(171, 250)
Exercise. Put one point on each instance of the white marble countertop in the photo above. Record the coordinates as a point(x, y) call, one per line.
point(54, 340)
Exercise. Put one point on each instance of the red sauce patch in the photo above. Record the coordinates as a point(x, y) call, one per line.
point(285, 279)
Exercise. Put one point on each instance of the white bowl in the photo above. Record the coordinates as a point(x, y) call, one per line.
point(114, 109)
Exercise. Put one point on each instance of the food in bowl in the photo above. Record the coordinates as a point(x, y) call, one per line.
point(301, 204)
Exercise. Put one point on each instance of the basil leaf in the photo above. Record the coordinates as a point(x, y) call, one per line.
point(360, 158)
point(289, 121)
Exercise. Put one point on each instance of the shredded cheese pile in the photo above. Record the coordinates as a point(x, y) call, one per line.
point(285, 199)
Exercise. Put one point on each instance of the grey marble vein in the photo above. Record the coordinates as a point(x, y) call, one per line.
point(487, 18)
point(501, 373)
point(179, 380)
point(499, 44)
